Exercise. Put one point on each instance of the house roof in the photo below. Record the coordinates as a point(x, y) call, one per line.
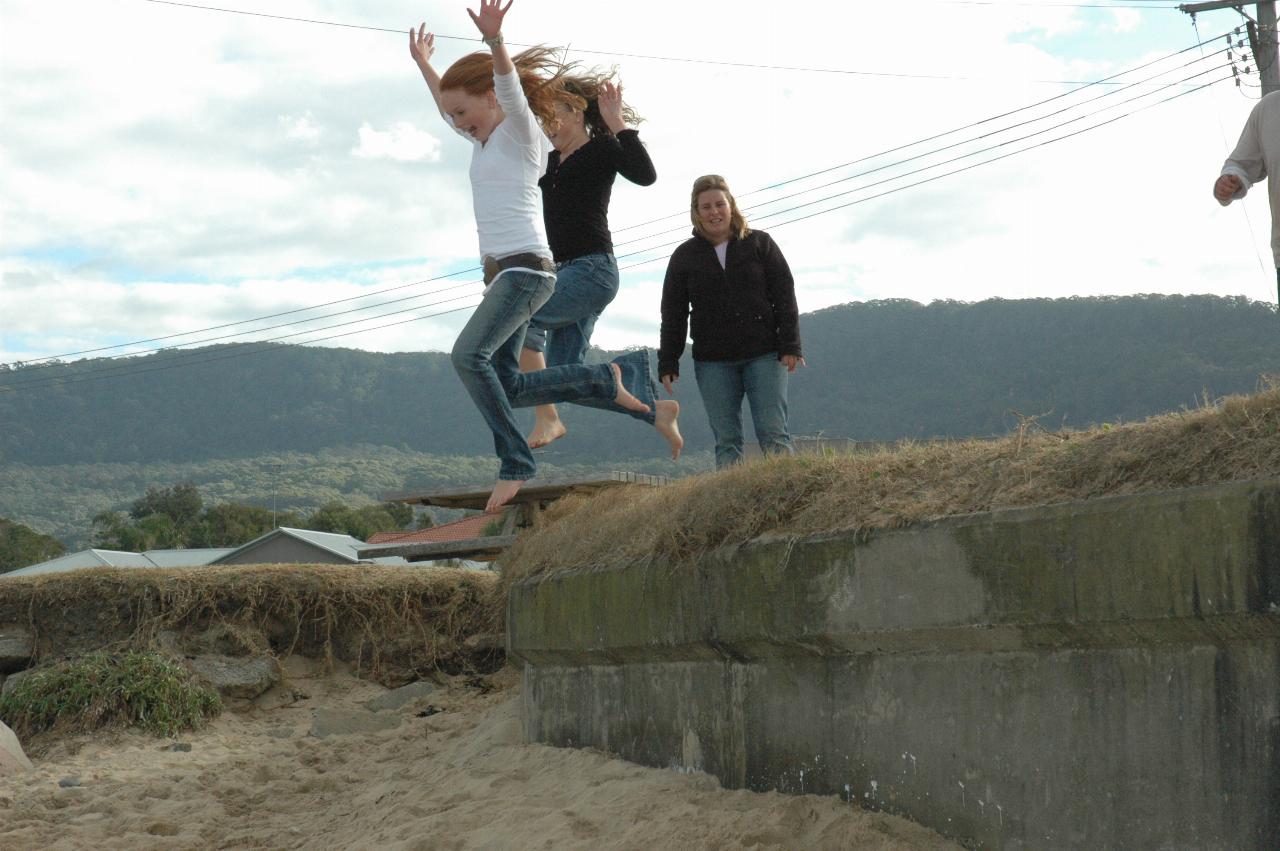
point(116, 558)
point(343, 546)
point(459, 530)
point(186, 558)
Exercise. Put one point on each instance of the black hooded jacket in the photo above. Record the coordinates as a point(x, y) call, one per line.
point(745, 310)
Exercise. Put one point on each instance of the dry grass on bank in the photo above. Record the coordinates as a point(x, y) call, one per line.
point(1232, 439)
point(390, 623)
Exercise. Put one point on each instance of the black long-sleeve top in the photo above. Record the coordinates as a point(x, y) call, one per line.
point(744, 310)
point(576, 192)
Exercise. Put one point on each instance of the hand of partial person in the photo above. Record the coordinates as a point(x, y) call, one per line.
point(610, 103)
point(1227, 187)
point(422, 45)
point(668, 381)
point(489, 21)
point(792, 361)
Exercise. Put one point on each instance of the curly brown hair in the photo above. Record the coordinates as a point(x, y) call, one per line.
point(539, 68)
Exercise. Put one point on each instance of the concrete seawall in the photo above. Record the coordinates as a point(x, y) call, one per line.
point(1100, 674)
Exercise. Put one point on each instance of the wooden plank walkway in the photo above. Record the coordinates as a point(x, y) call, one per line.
point(533, 491)
point(474, 549)
point(522, 511)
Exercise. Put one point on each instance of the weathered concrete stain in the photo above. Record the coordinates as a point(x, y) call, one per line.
point(1098, 674)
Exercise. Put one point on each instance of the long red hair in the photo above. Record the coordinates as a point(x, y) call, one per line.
point(539, 71)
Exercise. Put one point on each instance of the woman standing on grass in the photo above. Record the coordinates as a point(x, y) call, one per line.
point(593, 144)
point(735, 287)
point(497, 102)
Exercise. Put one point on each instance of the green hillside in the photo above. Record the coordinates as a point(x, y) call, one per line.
point(302, 426)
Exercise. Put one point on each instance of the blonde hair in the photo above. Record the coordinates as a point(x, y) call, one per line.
point(581, 90)
point(737, 222)
point(539, 69)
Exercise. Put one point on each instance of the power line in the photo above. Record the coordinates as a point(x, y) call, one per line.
point(1010, 154)
point(266, 350)
point(46, 361)
point(1158, 4)
point(133, 370)
point(970, 126)
point(772, 186)
point(615, 53)
point(128, 369)
point(947, 174)
point(969, 140)
point(927, 167)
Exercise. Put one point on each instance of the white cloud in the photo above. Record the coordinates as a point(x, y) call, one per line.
point(301, 128)
point(193, 168)
point(402, 142)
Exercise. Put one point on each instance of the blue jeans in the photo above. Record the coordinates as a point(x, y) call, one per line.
point(562, 327)
point(486, 357)
point(763, 381)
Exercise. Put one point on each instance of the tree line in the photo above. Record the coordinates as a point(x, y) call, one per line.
point(879, 370)
point(176, 517)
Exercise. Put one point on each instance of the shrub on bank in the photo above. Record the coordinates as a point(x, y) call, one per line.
point(101, 690)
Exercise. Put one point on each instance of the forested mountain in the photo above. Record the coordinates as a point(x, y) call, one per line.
point(299, 427)
point(877, 371)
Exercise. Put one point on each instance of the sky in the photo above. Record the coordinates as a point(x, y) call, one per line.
point(168, 174)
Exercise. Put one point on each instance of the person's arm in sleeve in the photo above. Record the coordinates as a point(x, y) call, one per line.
point(517, 115)
point(631, 159)
point(1246, 165)
point(781, 290)
point(675, 322)
point(422, 45)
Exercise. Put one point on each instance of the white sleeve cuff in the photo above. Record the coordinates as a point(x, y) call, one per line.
point(1246, 183)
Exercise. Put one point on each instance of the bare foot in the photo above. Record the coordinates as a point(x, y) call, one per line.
point(502, 493)
point(665, 422)
point(547, 427)
point(624, 397)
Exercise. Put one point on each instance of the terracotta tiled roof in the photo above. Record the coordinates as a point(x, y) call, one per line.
point(459, 530)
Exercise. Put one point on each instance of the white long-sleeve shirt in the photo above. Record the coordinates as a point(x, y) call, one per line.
point(1258, 155)
point(504, 177)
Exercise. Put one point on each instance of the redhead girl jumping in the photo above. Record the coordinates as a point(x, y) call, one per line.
point(497, 102)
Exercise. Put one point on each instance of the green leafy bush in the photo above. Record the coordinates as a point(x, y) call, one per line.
point(100, 690)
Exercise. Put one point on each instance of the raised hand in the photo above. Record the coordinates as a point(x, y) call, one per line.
point(610, 103)
point(489, 21)
point(422, 45)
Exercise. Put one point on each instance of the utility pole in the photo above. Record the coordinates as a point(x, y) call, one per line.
point(1262, 38)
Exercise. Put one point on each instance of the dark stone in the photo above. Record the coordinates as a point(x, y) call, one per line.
point(11, 682)
point(397, 698)
point(240, 677)
point(17, 646)
point(339, 722)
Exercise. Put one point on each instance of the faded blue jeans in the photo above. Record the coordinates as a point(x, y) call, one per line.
point(562, 327)
point(763, 381)
point(486, 356)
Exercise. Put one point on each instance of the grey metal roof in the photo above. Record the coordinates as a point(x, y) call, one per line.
point(116, 558)
point(186, 558)
point(343, 546)
point(83, 559)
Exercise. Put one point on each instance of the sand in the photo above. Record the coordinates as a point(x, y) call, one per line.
point(458, 778)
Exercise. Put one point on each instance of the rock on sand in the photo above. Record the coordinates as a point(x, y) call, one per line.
point(12, 758)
